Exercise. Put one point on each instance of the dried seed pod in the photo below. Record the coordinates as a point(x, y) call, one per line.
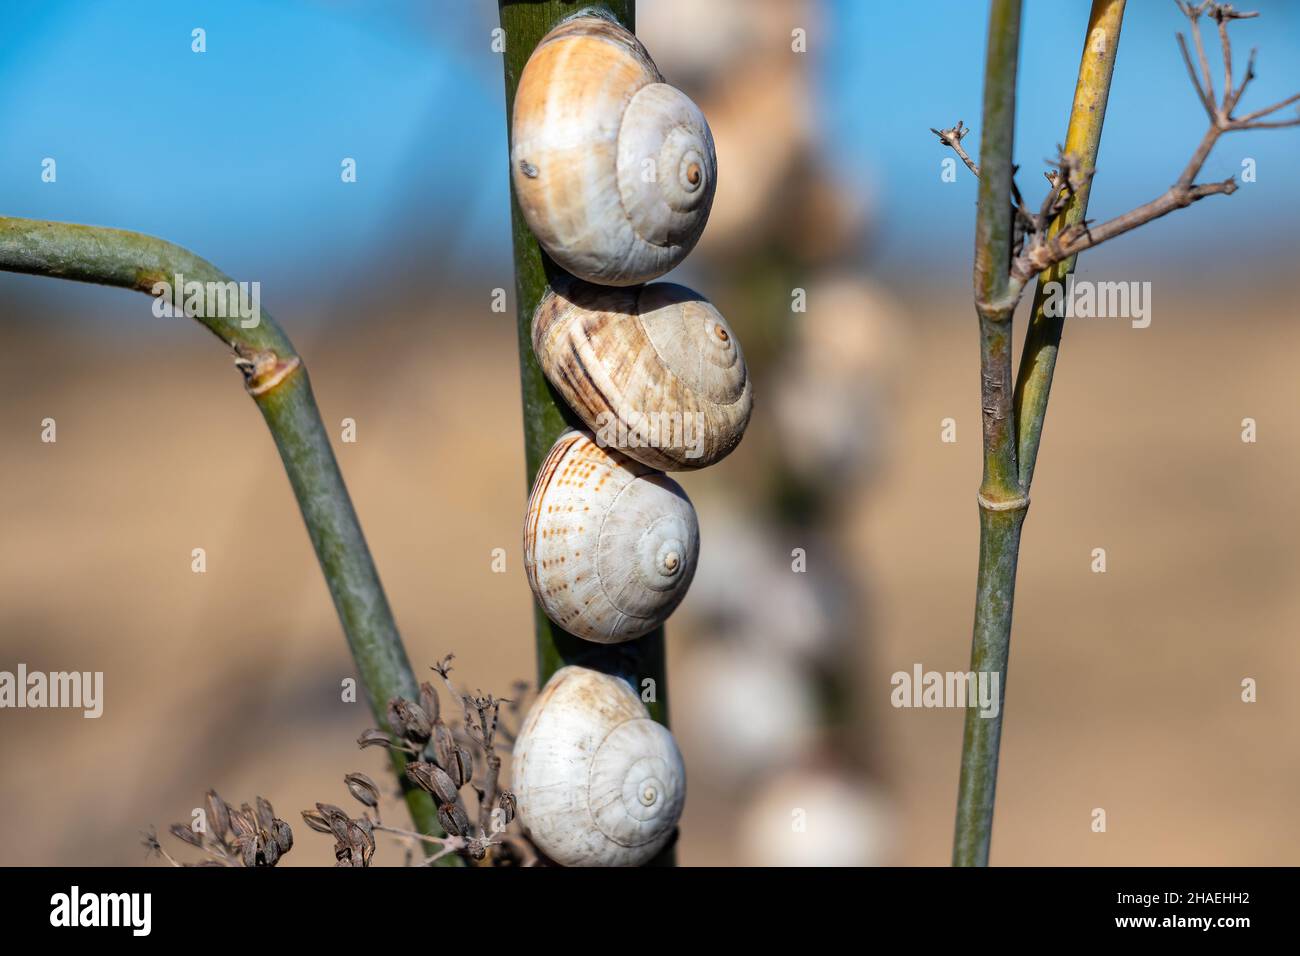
point(429, 700)
point(282, 835)
point(362, 788)
point(444, 742)
point(453, 818)
point(251, 846)
point(610, 546)
point(218, 816)
point(614, 169)
point(431, 777)
point(265, 814)
point(410, 718)
point(268, 851)
point(183, 833)
point(460, 766)
point(508, 805)
point(655, 371)
point(338, 820)
point(374, 737)
point(599, 783)
point(316, 820)
point(241, 823)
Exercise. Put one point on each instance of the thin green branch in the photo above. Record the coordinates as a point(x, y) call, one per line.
point(1082, 143)
point(993, 224)
point(277, 380)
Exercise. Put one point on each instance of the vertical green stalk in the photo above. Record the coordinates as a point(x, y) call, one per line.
point(525, 22)
point(993, 233)
point(1002, 502)
point(1012, 429)
point(277, 380)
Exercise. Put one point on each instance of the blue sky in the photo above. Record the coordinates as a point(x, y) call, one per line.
point(236, 152)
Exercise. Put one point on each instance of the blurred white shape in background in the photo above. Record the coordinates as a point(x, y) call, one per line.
point(744, 591)
point(833, 393)
point(743, 709)
point(818, 818)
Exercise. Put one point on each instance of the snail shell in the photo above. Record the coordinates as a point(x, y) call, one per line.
point(598, 782)
point(614, 169)
point(610, 546)
point(654, 371)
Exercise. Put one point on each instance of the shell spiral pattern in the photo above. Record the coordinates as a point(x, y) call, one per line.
point(655, 372)
point(598, 782)
point(610, 545)
point(614, 169)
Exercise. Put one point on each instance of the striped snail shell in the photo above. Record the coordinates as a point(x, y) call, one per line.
point(598, 782)
point(654, 371)
point(610, 546)
point(614, 169)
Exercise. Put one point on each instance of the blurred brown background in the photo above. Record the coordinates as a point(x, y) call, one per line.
point(1124, 687)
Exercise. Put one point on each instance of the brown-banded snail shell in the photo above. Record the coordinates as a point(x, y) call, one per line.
point(614, 169)
point(598, 782)
point(654, 371)
point(610, 546)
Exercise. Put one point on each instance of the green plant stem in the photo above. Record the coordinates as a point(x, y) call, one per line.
point(525, 22)
point(1013, 424)
point(1002, 502)
point(1082, 141)
point(993, 225)
point(277, 380)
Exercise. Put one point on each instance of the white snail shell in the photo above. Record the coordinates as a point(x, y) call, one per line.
point(654, 371)
point(610, 546)
point(598, 782)
point(614, 170)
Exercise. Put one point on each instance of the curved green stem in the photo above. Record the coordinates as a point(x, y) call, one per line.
point(277, 380)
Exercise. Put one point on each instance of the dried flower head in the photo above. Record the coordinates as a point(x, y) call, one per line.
point(243, 837)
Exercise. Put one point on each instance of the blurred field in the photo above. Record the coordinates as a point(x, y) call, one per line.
point(1124, 687)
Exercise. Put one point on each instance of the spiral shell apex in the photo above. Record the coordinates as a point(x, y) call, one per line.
point(614, 170)
point(655, 372)
point(610, 546)
point(598, 782)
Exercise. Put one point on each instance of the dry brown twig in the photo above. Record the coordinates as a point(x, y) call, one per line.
point(952, 138)
point(1041, 250)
